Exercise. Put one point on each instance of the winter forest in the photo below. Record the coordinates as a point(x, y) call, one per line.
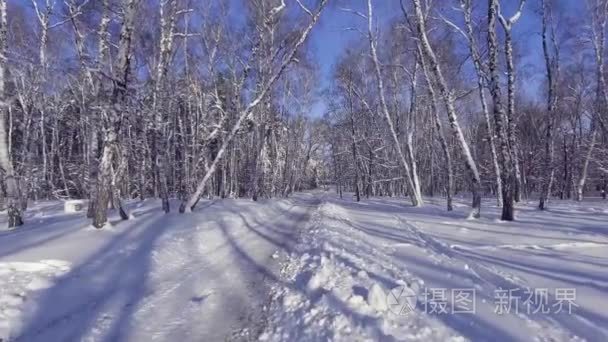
point(100, 103)
point(316, 139)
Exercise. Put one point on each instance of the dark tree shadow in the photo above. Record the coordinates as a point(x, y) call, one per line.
point(107, 286)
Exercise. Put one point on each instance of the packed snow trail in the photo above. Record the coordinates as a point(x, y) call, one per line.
point(340, 277)
point(309, 268)
point(198, 277)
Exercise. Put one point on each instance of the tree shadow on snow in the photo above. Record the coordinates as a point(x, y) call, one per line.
point(481, 327)
point(104, 290)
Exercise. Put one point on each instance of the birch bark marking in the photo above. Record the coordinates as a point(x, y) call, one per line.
point(12, 186)
point(552, 65)
point(167, 18)
point(467, 11)
point(439, 126)
point(100, 61)
point(500, 120)
point(507, 25)
point(113, 117)
point(414, 195)
point(448, 99)
point(187, 206)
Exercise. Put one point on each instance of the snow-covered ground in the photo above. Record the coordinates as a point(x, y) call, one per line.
point(197, 277)
point(380, 270)
point(308, 268)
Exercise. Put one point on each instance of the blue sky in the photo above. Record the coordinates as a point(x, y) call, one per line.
point(330, 38)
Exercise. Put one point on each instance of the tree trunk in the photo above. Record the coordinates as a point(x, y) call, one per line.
point(448, 99)
point(511, 132)
point(355, 159)
point(552, 69)
point(112, 117)
point(500, 120)
point(10, 180)
point(580, 186)
point(477, 63)
point(442, 139)
point(245, 113)
point(412, 190)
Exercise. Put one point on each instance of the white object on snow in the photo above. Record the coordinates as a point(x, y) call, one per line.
point(73, 206)
point(377, 298)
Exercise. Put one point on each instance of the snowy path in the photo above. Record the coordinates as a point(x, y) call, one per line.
point(201, 277)
point(326, 269)
point(356, 253)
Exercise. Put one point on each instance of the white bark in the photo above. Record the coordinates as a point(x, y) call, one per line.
point(580, 186)
point(599, 17)
point(167, 19)
point(500, 119)
point(552, 73)
point(12, 185)
point(439, 126)
point(448, 99)
point(101, 61)
point(507, 25)
point(112, 115)
point(194, 198)
point(413, 191)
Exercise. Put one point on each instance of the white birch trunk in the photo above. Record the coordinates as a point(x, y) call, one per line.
point(477, 63)
point(12, 185)
point(187, 206)
point(500, 119)
point(448, 99)
point(580, 186)
point(414, 194)
point(166, 46)
point(552, 71)
point(439, 126)
point(507, 25)
point(112, 115)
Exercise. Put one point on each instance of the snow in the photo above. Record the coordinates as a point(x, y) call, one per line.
point(20, 284)
point(197, 277)
point(376, 298)
point(356, 253)
point(73, 206)
point(308, 268)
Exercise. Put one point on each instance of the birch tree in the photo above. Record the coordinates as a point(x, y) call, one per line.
point(442, 139)
point(188, 205)
point(113, 114)
point(599, 14)
point(10, 179)
point(413, 185)
point(552, 73)
point(599, 17)
point(481, 77)
point(448, 99)
point(500, 119)
point(507, 25)
point(168, 17)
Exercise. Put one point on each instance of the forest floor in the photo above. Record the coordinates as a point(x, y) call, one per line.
point(312, 267)
point(203, 276)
